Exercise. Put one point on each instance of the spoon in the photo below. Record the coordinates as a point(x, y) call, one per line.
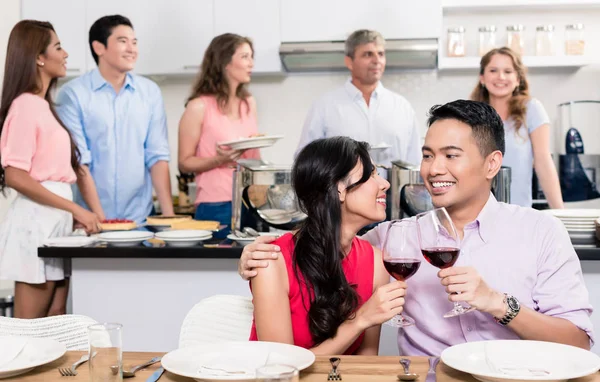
point(131, 372)
point(241, 234)
point(407, 376)
point(251, 231)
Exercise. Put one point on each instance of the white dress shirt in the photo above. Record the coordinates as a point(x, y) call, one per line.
point(388, 119)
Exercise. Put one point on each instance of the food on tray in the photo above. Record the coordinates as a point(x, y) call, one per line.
point(167, 220)
point(208, 225)
point(117, 224)
point(257, 135)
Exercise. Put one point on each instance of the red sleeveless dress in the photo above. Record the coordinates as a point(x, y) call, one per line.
point(358, 267)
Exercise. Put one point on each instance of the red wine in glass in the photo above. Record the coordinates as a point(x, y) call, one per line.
point(441, 257)
point(440, 245)
point(400, 268)
point(395, 251)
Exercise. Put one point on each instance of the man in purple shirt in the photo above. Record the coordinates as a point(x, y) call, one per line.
point(517, 266)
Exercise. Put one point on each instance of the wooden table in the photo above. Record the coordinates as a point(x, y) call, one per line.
point(352, 368)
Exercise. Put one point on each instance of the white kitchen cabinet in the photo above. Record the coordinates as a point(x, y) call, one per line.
point(257, 19)
point(68, 19)
point(172, 35)
point(316, 20)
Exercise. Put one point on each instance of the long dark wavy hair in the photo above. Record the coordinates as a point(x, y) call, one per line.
point(316, 173)
point(212, 79)
point(517, 105)
point(28, 39)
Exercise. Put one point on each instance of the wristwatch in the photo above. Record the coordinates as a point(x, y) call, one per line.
point(512, 309)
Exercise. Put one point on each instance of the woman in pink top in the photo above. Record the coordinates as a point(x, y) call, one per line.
point(219, 109)
point(40, 162)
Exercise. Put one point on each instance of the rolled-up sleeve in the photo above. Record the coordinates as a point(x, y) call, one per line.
point(18, 140)
point(70, 113)
point(560, 290)
point(156, 146)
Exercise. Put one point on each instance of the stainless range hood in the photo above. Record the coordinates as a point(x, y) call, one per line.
point(329, 56)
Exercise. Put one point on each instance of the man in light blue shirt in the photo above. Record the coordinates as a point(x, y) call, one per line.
point(363, 109)
point(118, 121)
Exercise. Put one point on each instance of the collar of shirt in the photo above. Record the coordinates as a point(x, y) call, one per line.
point(485, 219)
point(98, 82)
point(355, 93)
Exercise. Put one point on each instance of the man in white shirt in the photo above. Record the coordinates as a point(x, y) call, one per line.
point(363, 109)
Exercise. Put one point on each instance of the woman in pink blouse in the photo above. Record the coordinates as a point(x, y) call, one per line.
point(219, 109)
point(40, 162)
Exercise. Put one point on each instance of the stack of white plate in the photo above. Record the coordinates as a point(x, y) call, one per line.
point(125, 238)
point(579, 223)
point(183, 237)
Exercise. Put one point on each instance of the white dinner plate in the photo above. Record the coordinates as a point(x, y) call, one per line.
point(253, 143)
point(125, 238)
point(69, 241)
point(240, 359)
point(35, 352)
point(183, 234)
point(521, 360)
point(576, 213)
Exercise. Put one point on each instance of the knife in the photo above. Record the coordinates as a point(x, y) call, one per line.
point(433, 361)
point(156, 375)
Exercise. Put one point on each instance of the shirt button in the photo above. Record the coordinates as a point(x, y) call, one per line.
point(469, 329)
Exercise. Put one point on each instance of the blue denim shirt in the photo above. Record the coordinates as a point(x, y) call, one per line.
point(120, 137)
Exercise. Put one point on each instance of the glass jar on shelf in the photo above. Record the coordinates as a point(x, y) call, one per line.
point(456, 42)
point(574, 40)
point(544, 40)
point(487, 39)
point(515, 39)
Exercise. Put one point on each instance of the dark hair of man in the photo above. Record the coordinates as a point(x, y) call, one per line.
point(317, 259)
point(487, 126)
point(102, 29)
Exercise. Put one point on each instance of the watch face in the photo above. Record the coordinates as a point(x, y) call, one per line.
point(513, 304)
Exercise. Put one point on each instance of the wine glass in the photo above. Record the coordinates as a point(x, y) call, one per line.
point(398, 262)
point(440, 245)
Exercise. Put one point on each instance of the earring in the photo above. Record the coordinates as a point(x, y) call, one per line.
point(482, 85)
point(41, 64)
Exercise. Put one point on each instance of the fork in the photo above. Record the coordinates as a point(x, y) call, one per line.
point(66, 372)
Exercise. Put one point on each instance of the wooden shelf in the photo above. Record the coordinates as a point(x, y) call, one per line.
point(466, 63)
point(458, 6)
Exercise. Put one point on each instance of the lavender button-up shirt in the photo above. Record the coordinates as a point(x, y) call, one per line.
point(516, 250)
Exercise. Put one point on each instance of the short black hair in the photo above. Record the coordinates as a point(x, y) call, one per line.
point(487, 126)
point(102, 29)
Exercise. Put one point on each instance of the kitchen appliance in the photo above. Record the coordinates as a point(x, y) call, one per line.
point(578, 151)
point(264, 191)
point(329, 55)
point(410, 197)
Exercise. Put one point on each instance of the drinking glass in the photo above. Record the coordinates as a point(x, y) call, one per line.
point(106, 352)
point(398, 261)
point(440, 245)
point(277, 372)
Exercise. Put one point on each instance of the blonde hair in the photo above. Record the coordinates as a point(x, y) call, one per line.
point(517, 105)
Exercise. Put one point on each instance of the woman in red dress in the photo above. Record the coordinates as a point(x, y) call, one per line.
point(329, 292)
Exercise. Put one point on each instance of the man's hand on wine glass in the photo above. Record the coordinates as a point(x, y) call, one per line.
point(466, 284)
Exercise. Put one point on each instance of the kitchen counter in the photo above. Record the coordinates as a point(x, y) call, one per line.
point(146, 250)
point(160, 251)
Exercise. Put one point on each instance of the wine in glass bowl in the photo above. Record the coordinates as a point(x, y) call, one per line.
point(401, 268)
point(441, 257)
